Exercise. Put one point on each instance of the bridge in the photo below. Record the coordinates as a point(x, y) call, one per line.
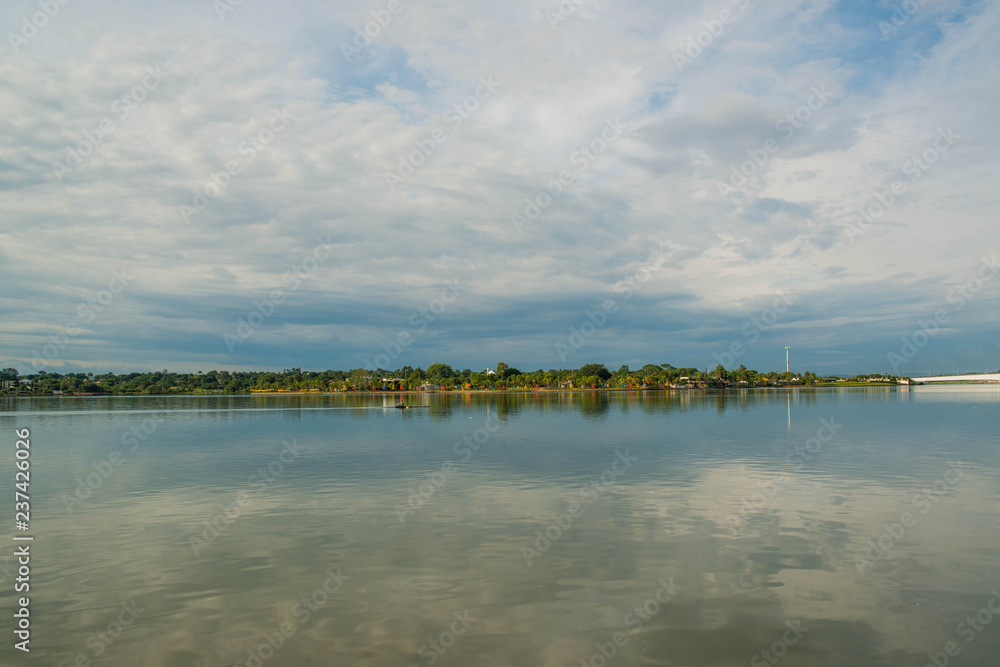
point(981, 377)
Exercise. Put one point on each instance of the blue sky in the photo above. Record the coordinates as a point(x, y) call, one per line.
point(648, 110)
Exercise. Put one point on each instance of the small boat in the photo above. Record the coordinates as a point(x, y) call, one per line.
point(402, 406)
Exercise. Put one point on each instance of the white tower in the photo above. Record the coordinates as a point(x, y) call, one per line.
point(787, 368)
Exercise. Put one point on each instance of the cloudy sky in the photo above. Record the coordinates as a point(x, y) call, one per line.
point(261, 185)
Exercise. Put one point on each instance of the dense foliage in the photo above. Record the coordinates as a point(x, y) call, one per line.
point(436, 376)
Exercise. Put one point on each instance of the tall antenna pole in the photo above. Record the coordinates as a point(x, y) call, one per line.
point(787, 367)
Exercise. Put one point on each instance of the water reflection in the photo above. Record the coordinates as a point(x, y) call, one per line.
point(701, 459)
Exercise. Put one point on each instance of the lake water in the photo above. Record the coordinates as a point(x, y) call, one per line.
point(808, 527)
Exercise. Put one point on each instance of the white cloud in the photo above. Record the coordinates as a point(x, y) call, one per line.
point(324, 173)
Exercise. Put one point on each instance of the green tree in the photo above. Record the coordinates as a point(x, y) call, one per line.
point(439, 371)
point(598, 370)
point(361, 378)
point(720, 373)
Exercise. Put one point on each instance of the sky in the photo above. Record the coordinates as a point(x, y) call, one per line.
point(228, 185)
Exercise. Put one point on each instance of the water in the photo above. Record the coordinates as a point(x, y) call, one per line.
point(419, 537)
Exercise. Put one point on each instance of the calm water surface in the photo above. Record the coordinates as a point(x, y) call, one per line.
point(694, 529)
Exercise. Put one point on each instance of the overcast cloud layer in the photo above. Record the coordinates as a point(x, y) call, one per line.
point(120, 120)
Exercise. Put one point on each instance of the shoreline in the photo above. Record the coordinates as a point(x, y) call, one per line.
point(413, 392)
point(594, 390)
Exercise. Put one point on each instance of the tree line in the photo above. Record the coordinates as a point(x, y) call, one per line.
point(435, 376)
